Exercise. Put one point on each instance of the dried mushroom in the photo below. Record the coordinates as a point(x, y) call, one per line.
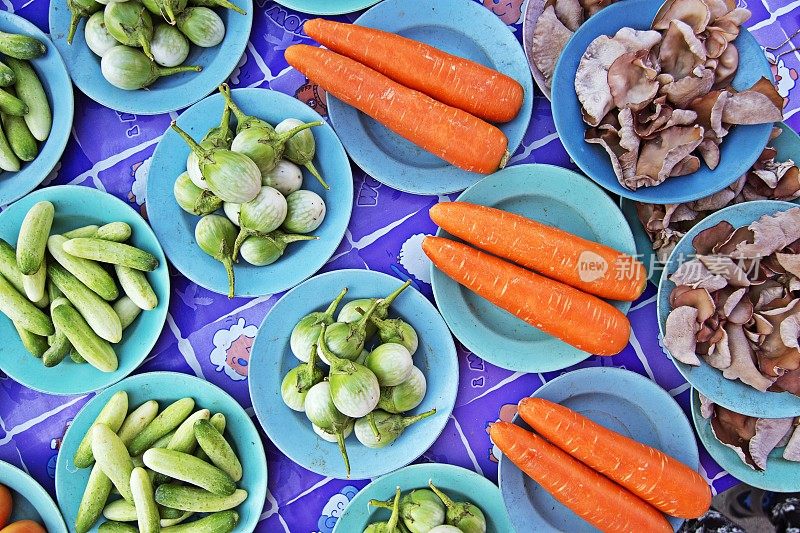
point(675, 79)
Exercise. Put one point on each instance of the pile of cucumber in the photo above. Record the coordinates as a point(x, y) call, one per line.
point(253, 174)
point(141, 41)
point(167, 466)
point(24, 109)
point(60, 290)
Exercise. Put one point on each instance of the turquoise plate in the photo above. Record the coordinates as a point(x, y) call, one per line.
point(458, 483)
point(78, 206)
point(548, 194)
point(175, 227)
point(53, 74)
point(618, 399)
point(780, 476)
point(462, 28)
point(31, 501)
point(167, 387)
point(734, 395)
point(271, 358)
point(327, 7)
point(739, 150)
point(168, 93)
point(788, 146)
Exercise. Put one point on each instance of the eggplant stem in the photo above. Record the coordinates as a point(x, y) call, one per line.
point(408, 420)
point(204, 203)
point(446, 500)
point(374, 426)
point(362, 322)
point(169, 71)
point(170, 13)
point(312, 358)
point(343, 451)
point(191, 142)
point(392, 524)
point(335, 303)
point(237, 112)
point(145, 44)
point(286, 238)
point(386, 302)
point(314, 172)
point(230, 5)
point(381, 504)
point(288, 134)
point(73, 25)
point(244, 233)
point(228, 263)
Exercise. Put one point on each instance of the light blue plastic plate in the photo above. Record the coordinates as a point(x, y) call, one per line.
point(78, 206)
point(618, 399)
point(53, 74)
point(327, 7)
point(458, 483)
point(788, 146)
point(167, 93)
point(459, 27)
point(734, 395)
point(271, 358)
point(167, 387)
point(175, 227)
point(31, 501)
point(548, 194)
point(780, 476)
point(739, 150)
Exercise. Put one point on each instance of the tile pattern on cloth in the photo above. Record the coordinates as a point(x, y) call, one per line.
point(210, 336)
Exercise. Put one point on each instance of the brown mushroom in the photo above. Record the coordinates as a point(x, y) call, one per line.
point(570, 13)
point(695, 13)
point(706, 240)
point(549, 38)
point(709, 151)
point(679, 338)
point(631, 79)
point(743, 365)
point(683, 91)
point(759, 104)
point(659, 155)
point(681, 53)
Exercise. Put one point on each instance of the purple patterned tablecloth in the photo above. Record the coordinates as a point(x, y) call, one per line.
point(210, 336)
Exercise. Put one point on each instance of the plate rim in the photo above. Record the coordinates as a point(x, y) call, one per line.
point(30, 489)
point(159, 253)
point(256, 446)
point(345, 177)
point(488, 353)
point(262, 415)
point(298, 5)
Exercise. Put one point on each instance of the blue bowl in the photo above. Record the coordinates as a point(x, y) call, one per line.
point(168, 93)
point(554, 196)
point(327, 7)
point(271, 358)
point(31, 501)
point(734, 395)
point(175, 227)
point(167, 387)
point(75, 207)
point(53, 74)
point(739, 149)
point(459, 27)
point(458, 483)
point(617, 399)
point(780, 476)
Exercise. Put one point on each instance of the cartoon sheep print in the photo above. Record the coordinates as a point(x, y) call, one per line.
point(231, 352)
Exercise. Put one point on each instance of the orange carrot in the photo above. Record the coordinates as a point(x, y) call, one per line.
point(586, 265)
point(582, 320)
point(598, 500)
point(447, 132)
point(667, 484)
point(452, 80)
point(23, 526)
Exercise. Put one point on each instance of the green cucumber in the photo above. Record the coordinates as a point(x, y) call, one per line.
point(57, 350)
point(183, 440)
point(169, 513)
point(137, 420)
point(90, 273)
point(188, 468)
point(127, 311)
point(96, 311)
point(163, 441)
point(30, 91)
point(120, 511)
point(33, 234)
point(115, 231)
point(179, 517)
point(197, 500)
point(76, 357)
point(94, 499)
point(35, 284)
point(22, 141)
point(117, 527)
point(96, 350)
point(112, 415)
point(8, 159)
point(7, 76)
point(22, 312)
point(9, 269)
point(218, 449)
point(134, 283)
point(223, 522)
point(11, 105)
point(111, 252)
point(35, 344)
point(169, 419)
point(112, 456)
point(21, 46)
point(85, 231)
point(219, 422)
point(146, 509)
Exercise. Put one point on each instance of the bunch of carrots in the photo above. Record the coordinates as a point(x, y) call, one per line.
point(436, 100)
point(564, 298)
point(612, 482)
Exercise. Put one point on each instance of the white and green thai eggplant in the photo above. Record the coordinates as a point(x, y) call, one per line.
point(202, 26)
point(96, 34)
point(130, 24)
point(391, 363)
point(129, 69)
point(168, 9)
point(169, 46)
point(466, 516)
point(350, 311)
point(306, 332)
point(299, 380)
point(347, 339)
point(264, 145)
point(322, 412)
point(243, 120)
point(215, 235)
point(286, 177)
point(80, 9)
point(378, 429)
point(405, 396)
point(420, 510)
point(192, 198)
point(218, 137)
point(396, 330)
point(227, 4)
point(261, 215)
point(300, 149)
point(305, 212)
point(262, 250)
point(393, 524)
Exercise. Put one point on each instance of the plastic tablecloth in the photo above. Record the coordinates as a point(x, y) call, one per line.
point(210, 336)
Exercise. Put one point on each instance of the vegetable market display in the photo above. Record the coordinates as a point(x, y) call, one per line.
point(253, 175)
point(371, 381)
point(173, 467)
point(140, 41)
point(18, 526)
point(61, 291)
